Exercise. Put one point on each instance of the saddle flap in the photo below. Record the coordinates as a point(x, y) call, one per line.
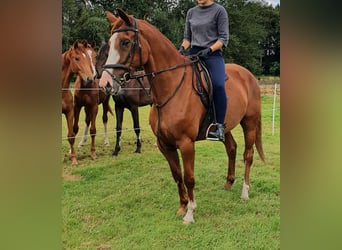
point(203, 82)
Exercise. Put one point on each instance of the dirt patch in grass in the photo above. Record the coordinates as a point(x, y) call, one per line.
point(71, 177)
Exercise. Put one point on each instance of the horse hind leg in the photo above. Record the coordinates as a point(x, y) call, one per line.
point(84, 136)
point(93, 114)
point(77, 110)
point(105, 140)
point(230, 145)
point(249, 129)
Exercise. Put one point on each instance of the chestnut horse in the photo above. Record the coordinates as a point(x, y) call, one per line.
point(132, 96)
point(177, 111)
point(89, 96)
point(74, 61)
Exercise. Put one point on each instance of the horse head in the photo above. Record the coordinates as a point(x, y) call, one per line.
point(90, 49)
point(124, 53)
point(80, 62)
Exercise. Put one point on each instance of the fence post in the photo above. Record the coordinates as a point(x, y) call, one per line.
point(274, 103)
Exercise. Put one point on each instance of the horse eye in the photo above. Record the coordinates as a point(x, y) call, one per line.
point(125, 42)
point(77, 58)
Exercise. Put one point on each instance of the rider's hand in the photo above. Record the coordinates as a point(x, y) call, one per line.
point(204, 53)
point(181, 50)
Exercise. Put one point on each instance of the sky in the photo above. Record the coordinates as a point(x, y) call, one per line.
point(273, 2)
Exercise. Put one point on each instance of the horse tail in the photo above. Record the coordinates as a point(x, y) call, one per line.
point(258, 141)
point(110, 109)
point(105, 104)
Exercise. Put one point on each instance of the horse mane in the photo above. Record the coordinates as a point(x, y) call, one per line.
point(66, 57)
point(117, 21)
point(150, 29)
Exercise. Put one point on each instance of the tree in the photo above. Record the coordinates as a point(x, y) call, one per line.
point(254, 27)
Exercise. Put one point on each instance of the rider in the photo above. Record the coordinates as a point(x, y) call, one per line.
point(206, 33)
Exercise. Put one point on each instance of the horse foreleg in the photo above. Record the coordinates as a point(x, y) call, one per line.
point(187, 149)
point(105, 121)
point(105, 140)
point(93, 114)
point(119, 118)
point(230, 145)
point(71, 136)
point(136, 126)
point(250, 137)
point(171, 155)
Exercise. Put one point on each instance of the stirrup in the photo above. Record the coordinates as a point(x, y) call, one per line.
point(209, 129)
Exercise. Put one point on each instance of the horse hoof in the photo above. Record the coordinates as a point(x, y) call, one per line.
point(74, 163)
point(244, 192)
point(227, 186)
point(181, 211)
point(187, 222)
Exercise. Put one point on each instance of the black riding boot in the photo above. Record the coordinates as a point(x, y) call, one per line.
point(219, 133)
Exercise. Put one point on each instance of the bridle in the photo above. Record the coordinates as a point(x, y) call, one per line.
point(127, 75)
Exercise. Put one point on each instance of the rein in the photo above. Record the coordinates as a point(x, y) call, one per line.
point(127, 76)
point(153, 74)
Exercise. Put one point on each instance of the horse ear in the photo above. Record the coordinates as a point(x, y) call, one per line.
point(84, 42)
point(75, 45)
point(110, 16)
point(124, 17)
point(93, 44)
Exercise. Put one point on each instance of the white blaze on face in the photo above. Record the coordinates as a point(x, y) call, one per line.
point(90, 53)
point(113, 58)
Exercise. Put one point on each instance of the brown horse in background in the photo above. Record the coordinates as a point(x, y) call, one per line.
point(74, 61)
point(178, 112)
point(89, 96)
point(133, 95)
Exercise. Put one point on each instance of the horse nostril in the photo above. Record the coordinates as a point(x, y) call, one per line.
point(89, 80)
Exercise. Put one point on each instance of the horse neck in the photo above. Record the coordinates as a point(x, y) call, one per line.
point(66, 71)
point(163, 53)
point(163, 56)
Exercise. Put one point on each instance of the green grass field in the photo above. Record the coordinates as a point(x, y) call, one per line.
point(130, 202)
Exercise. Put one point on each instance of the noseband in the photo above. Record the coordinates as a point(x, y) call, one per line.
point(121, 80)
point(126, 76)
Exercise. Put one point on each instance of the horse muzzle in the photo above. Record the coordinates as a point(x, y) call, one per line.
point(111, 90)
